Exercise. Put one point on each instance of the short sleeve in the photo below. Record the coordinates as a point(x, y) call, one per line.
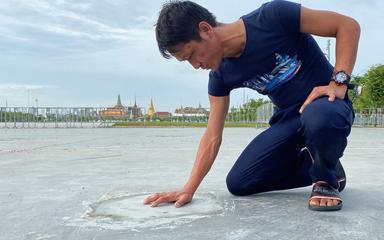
point(216, 85)
point(284, 15)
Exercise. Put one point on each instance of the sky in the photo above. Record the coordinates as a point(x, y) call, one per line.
point(83, 53)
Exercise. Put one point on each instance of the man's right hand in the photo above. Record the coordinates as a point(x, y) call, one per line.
point(206, 154)
point(180, 198)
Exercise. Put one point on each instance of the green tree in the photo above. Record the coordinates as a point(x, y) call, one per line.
point(375, 86)
point(359, 101)
point(254, 103)
point(245, 112)
point(372, 83)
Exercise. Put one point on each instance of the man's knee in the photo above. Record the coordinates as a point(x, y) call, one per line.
point(235, 187)
point(321, 115)
point(239, 186)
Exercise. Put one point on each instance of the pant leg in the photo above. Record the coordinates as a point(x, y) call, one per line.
point(270, 161)
point(325, 127)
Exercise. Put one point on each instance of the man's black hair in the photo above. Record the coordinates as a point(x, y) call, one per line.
point(178, 22)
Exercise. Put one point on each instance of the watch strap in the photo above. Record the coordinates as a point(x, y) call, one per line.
point(350, 86)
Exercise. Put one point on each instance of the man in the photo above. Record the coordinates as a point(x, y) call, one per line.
point(270, 50)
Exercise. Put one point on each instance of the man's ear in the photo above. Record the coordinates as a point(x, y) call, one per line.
point(205, 30)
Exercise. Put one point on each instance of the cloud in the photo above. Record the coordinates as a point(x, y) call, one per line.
point(9, 87)
point(99, 29)
point(61, 27)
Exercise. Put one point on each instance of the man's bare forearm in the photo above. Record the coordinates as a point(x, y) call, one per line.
point(347, 40)
point(209, 143)
point(206, 154)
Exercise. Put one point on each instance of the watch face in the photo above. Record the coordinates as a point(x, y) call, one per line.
point(341, 77)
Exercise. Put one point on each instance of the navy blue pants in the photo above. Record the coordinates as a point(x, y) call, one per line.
point(274, 160)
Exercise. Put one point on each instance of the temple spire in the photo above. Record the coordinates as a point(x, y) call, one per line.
point(119, 101)
point(151, 109)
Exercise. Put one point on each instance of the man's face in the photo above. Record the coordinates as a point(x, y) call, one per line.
point(204, 54)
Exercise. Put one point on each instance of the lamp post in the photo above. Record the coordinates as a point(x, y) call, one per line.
point(36, 112)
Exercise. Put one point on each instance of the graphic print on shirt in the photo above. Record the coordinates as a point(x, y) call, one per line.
point(285, 70)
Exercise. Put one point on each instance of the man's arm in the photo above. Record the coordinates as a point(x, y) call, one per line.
point(210, 142)
point(206, 154)
point(346, 31)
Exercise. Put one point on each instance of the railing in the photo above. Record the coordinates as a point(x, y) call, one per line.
point(53, 117)
point(88, 117)
point(369, 117)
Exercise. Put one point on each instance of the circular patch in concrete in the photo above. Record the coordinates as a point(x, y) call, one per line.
point(122, 211)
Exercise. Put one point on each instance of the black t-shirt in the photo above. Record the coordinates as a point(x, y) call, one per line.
point(278, 60)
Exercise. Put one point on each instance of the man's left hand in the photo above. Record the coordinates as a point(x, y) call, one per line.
point(332, 91)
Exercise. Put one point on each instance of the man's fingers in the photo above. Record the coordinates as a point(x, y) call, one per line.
point(184, 199)
point(302, 108)
point(162, 200)
point(152, 198)
point(316, 92)
point(181, 202)
point(331, 97)
point(178, 197)
point(157, 202)
point(307, 102)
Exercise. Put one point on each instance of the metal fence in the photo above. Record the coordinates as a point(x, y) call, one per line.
point(88, 117)
point(53, 117)
point(369, 117)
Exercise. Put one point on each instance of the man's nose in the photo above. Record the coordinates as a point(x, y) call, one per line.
point(195, 64)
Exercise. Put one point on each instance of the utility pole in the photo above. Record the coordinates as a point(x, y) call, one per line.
point(6, 109)
point(28, 95)
point(243, 96)
point(329, 50)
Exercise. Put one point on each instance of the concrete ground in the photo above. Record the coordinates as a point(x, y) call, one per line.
point(89, 184)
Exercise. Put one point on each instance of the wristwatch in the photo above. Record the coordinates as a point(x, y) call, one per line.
point(342, 78)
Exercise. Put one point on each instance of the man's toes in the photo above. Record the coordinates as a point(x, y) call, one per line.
point(323, 202)
point(330, 202)
point(314, 202)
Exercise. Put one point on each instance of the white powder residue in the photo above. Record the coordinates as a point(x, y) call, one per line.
point(238, 234)
point(121, 210)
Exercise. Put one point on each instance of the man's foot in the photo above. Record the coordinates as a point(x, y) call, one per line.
point(305, 155)
point(342, 179)
point(324, 198)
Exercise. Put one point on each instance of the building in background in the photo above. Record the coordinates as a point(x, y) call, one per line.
point(117, 111)
point(163, 115)
point(191, 112)
point(134, 112)
point(120, 111)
